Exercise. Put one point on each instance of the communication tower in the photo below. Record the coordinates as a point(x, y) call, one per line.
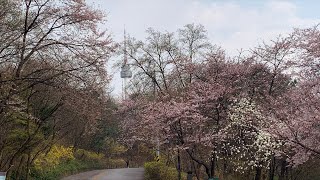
point(125, 72)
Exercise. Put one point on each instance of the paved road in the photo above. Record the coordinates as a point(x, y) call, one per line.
point(110, 174)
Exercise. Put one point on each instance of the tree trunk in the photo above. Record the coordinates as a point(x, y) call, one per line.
point(179, 165)
point(28, 165)
point(225, 168)
point(195, 169)
point(212, 166)
point(272, 168)
point(200, 162)
point(258, 173)
point(283, 169)
point(19, 168)
point(190, 170)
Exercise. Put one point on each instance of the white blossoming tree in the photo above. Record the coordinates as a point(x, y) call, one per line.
point(244, 142)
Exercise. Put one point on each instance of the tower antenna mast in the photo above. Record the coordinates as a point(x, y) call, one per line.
point(125, 68)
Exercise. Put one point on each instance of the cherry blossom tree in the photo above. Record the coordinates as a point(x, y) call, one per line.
point(52, 59)
point(253, 113)
point(297, 112)
point(194, 120)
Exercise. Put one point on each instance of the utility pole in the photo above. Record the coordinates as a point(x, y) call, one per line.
point(154, 99)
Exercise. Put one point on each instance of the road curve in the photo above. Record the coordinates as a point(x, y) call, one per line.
point(110, 174)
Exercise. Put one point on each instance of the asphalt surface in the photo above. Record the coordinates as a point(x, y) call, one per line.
point(110, 174)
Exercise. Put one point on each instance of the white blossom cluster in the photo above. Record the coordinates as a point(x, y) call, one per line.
point(266, 144)
point(246, 144)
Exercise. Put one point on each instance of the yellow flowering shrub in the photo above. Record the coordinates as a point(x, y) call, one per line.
point(88, 156)
point(54, 157)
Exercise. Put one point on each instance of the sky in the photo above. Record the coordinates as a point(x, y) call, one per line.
point(231, 24)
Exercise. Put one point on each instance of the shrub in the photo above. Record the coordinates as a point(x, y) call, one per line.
point(152, 170)
point(61, 161)
point(115, 163)
point(85, 155)
point(159, 171)
point(66, 168)
point(57, 155)
point(168, 173)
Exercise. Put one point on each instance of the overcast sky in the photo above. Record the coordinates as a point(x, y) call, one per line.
point(231, 24)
